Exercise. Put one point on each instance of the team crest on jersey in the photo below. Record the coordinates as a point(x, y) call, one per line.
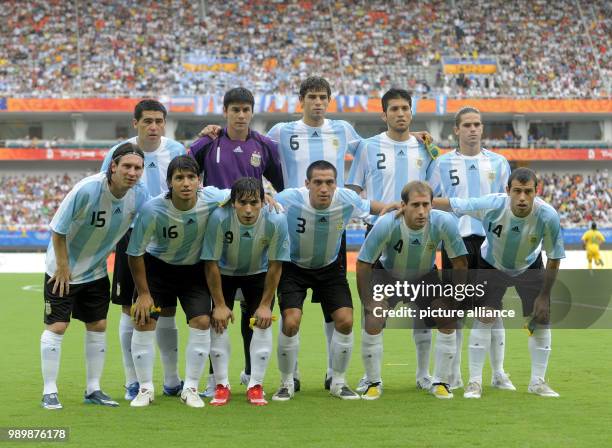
point(533, 239)
point(419, 162)
point(264, 242)
point(340, 226)
point(336, 143)
point(255, 159)
point(430, 245)
point(491, 176)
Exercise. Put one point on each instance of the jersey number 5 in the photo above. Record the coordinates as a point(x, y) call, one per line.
point(453, 177)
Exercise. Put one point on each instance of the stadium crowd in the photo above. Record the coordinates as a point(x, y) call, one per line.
point(547, 49)
point(29, 202)
point(579, 199)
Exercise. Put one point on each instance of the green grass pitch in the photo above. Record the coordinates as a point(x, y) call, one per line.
point(579, 370)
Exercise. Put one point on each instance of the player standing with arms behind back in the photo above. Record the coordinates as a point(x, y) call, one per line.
point(472, 171)
point(150, 123)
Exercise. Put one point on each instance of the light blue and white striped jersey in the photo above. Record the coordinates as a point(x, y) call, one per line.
point(300, 145)
point(454, 175)
point(382, 167)
point(315, 235)
point(407, 253)
point(155, 163)
point(172, 235)
point(93, 220)
point(512, 244)
point(245, 249)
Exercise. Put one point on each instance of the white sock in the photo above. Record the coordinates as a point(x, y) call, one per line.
point(446, 346)
point(422, 342)
point(220, 351)
point(479, 345)
point(498, 346)
point(329, 328)
point(371, 354)
point(50, 353)
point(167, 341)
point(539, 348)
point(261, 349)
point(196, 354)
point(341, 348)
point(456, 367)
point(143, 353)
point(287, 352)
point(126, 328)
point(95, 353)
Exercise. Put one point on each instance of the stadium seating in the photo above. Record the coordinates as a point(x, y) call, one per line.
point(554, 49)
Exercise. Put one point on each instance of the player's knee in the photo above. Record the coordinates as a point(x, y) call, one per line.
point(291, 322)
point(168, 312)
point(200, 322)
point(149, 326)
point(58, 327)
point(99, 325)
point(343, 322)
point(487, 319)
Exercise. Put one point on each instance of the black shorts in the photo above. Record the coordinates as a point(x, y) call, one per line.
point(329, 283)
point(528, 285)
point(252, 287)
point(123, 283)
point(87, 302)
point(472, 244)
point(187, 282)
point(317, 297)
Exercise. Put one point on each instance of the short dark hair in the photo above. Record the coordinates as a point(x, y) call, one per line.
point(523, 175)
point(247, 187)
point(149, 105)
point(314, 83)
point(593, 226)
point(395, 94)
point(320, 165)
point(238, 95)
point(123, 150)
point(464, 110)
point(180, 163)
point(416, 186)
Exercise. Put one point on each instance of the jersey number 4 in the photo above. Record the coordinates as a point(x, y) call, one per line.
point(497, 230)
